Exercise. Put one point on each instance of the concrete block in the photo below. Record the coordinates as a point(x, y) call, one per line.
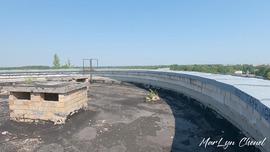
point(12, 107)
point(48, 114)
point(257, 115)
point(10, 102)
point(36, 96)
point(26, 103)
point(43, 109)
point(62, 100)
point(37, 104)
point(59, 105)
point(23, 107)
point(33, 108)
point(50, 103)
point(62, 95)
point(237, 107)
point(218, 97)
point(265, 122)
point(18, 102)
point(250, 115)
point(16, 111)
point(197, 82)
point(209, 87)
point(11, 97)
point(12, 114)
point(30, 112)
point(195, 88)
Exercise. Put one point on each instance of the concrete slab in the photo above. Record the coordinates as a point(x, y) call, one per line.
point(257, 88)
point(44, 86)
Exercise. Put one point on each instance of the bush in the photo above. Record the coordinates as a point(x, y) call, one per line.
point(152, 96)
point(29, 79)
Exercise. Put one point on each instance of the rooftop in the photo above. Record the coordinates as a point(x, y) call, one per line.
point(118, 119)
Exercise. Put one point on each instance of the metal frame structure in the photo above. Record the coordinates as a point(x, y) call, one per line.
point(90, 66)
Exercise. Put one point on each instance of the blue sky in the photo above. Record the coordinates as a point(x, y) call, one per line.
point(135, 32)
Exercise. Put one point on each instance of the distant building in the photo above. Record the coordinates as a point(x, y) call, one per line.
point(238, 72)
point(164, 69)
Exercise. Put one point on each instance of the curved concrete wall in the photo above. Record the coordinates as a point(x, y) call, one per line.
point(241, 109)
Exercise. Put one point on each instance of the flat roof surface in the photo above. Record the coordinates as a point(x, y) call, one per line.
point(45, 87)
point(118, 119)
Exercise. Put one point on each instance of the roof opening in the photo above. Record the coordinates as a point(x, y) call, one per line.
point(51, 97)
point(81, 80)
point(22, 95)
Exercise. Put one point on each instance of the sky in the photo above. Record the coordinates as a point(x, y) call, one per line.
point(134, 32)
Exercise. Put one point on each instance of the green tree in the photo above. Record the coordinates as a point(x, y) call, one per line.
point(267, 75)
point(56, 62)
point(262, 70)
point(68, 65)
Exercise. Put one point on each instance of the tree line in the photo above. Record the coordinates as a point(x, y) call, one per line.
point(35, 67)
point(56, 65)
point(256, 70)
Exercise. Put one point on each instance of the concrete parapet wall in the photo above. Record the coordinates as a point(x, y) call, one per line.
point(241, 109)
